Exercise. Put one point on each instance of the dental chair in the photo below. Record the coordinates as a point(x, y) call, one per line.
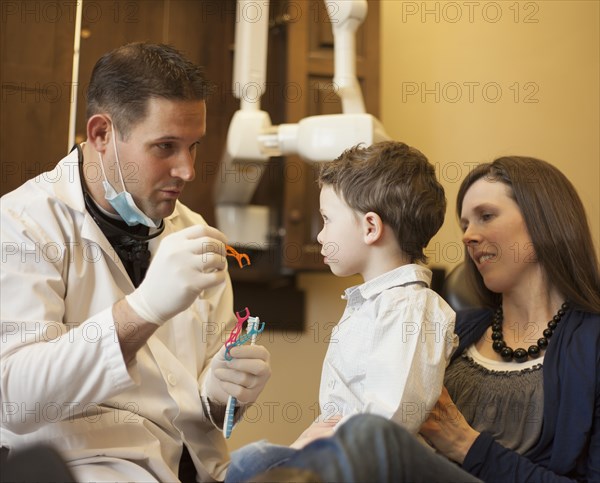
point(458, 292)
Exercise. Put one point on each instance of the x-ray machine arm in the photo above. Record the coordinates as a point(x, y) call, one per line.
point(252, 139)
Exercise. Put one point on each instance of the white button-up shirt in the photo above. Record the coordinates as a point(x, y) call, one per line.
point(388, 353)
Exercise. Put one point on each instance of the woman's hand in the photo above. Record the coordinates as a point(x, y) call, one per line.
point(447, 430)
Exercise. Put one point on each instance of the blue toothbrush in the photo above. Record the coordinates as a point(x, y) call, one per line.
point(252, 329)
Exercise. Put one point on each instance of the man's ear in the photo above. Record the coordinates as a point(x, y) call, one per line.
point(372, 227)
point(98, 132)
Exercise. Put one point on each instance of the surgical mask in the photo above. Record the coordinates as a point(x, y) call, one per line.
point(123, 202)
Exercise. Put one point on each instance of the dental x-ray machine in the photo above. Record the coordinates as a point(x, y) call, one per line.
point(252, 139)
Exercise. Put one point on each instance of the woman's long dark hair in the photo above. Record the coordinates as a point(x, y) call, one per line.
point(556, 222)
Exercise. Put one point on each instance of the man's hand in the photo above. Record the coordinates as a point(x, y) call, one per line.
point(244, 377)
point(186, 262)
point(447, 429)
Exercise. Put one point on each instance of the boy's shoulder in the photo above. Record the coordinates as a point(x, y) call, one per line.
point(414, 297)
point(402, 276)
point(414, 293)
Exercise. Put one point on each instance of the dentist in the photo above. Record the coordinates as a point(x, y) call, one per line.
point(115, 298)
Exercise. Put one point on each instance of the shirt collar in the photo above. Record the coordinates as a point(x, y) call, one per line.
point(398, 277)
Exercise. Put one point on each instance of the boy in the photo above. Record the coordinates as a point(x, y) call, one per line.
point(381, 205)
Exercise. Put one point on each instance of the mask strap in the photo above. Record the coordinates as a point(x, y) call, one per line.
point(102, 167)
point(112, 128)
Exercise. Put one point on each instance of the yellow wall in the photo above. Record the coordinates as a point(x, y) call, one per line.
point(554, 61)
point(466, 82)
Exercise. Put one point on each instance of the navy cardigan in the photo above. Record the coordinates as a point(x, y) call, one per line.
point(569, 445)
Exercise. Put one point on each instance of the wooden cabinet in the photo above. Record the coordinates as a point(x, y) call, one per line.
point(36, 58)
point(310, 70)
point(36, 65)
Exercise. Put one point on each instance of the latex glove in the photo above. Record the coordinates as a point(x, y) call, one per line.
point(448, 430)
point(244, 377)
point(186, 262)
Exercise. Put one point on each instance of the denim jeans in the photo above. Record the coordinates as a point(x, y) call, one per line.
point(370, 448)
point(256, 458)
point(367, 448)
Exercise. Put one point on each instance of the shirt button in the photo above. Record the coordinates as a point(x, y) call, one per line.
point(172, 379)
point(331, 384)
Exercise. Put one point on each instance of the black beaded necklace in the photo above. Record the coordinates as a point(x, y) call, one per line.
point(520, 354)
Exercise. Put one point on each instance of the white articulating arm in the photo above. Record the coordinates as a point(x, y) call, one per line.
point(250, 59)
point(252, 139)
point(345, 18)
point(243, 152)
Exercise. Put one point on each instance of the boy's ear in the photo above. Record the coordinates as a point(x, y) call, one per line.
point(372, 227)
point(98, 132)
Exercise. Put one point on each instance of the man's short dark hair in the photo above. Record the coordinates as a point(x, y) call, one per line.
point(124, 79)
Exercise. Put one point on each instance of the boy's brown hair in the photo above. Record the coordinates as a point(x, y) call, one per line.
point(398, 183)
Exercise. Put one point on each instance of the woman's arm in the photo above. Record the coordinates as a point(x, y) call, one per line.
point(447, 429)
point(491, 461)
point(478, 453)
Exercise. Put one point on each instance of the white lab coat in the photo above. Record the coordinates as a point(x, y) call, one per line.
point(64, 381)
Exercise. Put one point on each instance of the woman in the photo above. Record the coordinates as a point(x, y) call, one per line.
point(523, 389)
point(533, 264)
